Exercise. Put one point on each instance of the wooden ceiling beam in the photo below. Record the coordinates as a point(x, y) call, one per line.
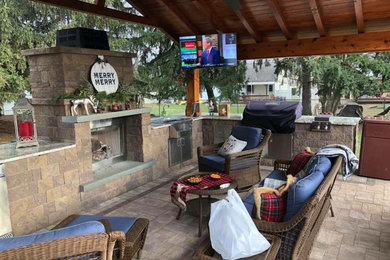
point(98, 10)
point(100, 3)
point(179, 14)
point(145, 12)
point(251, 28)
point(277, 12)
point(357, 43)
point(211, 15)
point(359, 15)
point(317, 17)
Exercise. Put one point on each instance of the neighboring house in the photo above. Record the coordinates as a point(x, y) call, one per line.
point(264, 84)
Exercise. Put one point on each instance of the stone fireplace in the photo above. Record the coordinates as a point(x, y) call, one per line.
point(109, 146)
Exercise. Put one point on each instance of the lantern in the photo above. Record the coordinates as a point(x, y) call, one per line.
point(24, 120)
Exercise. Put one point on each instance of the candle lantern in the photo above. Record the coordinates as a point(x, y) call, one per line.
point(24, 120)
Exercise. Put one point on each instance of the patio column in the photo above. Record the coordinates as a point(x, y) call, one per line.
point(193, 86)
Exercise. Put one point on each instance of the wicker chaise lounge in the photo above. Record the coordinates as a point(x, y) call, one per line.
point(135, 230)
point(87, 241)
point(298, 233)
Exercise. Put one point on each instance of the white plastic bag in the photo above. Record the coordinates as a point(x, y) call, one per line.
point(232, 231)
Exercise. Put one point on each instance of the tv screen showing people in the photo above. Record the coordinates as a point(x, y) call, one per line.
point(212, 50)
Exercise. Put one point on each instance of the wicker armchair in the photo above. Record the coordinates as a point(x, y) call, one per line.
point(243, 166)
point(88, 246)
point(298, 233)
point(134, 238)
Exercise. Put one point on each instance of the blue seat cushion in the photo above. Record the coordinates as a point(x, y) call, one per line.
point(320, 163)
point(249, 201)
point(301, 191)
point(213, 161)
point(90, 227)
point(117, 223)
point(252, 135)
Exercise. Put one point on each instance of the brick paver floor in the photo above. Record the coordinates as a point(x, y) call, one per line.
point(359, 230)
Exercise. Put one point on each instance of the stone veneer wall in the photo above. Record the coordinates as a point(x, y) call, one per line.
point(7, 124)
point(43, 190)
point(339, 134)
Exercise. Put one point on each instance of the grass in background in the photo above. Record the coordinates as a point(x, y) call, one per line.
point(175, 109)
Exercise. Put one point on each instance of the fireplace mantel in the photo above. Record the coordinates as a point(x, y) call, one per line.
point(107, 115)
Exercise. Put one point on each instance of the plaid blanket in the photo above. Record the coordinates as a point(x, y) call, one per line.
point(179, 189)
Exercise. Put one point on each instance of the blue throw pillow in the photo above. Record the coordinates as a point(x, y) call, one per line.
point(301, 191)
point(90, 227)
point(251, 135)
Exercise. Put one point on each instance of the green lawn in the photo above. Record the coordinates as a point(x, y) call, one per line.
point(175, 109)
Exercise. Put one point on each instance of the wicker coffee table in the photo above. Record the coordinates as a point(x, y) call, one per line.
point(200, 207)
point(206, 252)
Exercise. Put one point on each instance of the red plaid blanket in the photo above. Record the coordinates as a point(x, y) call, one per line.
point(179, 189)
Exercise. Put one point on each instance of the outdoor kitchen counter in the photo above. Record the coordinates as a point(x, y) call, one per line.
point(8, 152)
point(334, 120)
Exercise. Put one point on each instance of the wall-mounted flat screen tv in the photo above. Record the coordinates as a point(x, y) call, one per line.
point(211, 50)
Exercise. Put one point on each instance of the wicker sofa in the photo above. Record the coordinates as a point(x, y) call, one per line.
point(85, 241)
point(298, 233)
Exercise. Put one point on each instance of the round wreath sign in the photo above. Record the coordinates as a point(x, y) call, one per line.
point(104, 76)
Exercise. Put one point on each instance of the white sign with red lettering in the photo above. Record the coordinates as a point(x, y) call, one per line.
point(104, 77)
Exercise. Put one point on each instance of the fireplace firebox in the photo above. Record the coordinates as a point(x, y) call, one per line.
point(107, 142)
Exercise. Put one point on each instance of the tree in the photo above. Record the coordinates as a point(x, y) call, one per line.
point(338, 75)
point(229, 80)
point(299, 68)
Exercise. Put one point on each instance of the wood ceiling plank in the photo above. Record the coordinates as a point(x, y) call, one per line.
point(100, 3)
point(94, 9)
point(359, 15)
point(357, 43)
point(251, 28)
point(317, 17)
point(146, 13)
point(277, 12)
point(181, 16)
point(211, 15)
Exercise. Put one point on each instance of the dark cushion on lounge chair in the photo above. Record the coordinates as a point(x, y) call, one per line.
point(252, 135)
point(117, 223)
point(90, 227)
point(214, 161)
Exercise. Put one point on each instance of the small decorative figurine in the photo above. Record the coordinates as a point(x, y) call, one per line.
point(85, 101)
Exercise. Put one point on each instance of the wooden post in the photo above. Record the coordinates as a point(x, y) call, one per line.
point(193, 87)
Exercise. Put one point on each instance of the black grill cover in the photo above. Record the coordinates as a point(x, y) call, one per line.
point(277, 116)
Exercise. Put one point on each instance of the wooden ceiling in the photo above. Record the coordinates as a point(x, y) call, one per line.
point(265, 28)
